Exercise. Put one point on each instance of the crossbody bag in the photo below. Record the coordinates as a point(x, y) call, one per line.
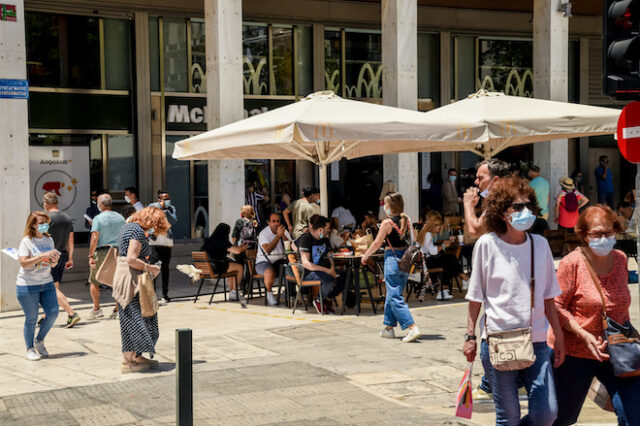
point(412, 257)
point(513, 349)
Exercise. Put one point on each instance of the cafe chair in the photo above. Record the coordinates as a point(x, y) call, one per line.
point(298, 273)
point(201, 261)
point(253, 276)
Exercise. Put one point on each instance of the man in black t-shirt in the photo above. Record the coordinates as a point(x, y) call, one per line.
point(318, 264)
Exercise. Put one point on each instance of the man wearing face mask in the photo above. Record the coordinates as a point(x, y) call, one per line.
point(488, 172)
point(318, 265)
point(105, 233)
point(162, 244)
point(450, 194)
point(92, 211)
point(131, 197)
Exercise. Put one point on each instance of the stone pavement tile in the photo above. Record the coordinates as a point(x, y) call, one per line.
point(434, 372)
point(321, 421)
point(389, 376)
point(57, 419)
point(402, 390)
point(102, 415)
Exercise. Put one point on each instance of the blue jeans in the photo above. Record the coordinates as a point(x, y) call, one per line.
point(395, 308)
point(30, 296)
point(605, 198)
point(331, 287)
point(537, 379)
point(573, 379)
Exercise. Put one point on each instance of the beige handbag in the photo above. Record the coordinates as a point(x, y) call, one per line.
point(513, 349)
point(148, 299)
point(108, 267)
point(361, 244)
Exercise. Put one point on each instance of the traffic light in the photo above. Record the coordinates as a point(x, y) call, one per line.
point(621, 48)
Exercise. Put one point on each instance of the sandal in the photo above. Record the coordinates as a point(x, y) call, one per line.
point(134, 368)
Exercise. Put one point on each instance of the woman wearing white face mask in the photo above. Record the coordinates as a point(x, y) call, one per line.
point(505, 261)
point(580, 311)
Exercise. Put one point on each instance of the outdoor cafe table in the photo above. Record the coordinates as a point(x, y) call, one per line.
point(352, 280)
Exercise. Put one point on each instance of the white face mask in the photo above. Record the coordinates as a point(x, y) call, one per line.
point(522, 220)
point(602, 246)
point(127, 199)
point(485, 193)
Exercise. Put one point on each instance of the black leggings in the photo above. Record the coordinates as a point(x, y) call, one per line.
point(164, 254)
point(450, 265)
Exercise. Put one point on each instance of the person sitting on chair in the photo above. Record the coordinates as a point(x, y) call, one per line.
point(271, 253)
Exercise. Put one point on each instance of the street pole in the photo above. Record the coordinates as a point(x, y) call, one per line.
point(324, 194)
point(184, 378)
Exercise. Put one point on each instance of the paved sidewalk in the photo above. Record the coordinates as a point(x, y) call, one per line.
point(251, 366)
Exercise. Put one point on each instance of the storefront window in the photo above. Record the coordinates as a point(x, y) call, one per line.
point(282, 70)
point(255, 47)
point(333, 60)
point(201, 199)
point(117, 57)
point(176, 70)
point(178, 185)
point(198, 66)
point(154, 53)
point(506, 66)
point(95, 162)
point(305, 60)
point(121, 162)
point(428, 72)
point(363, 64)
point(463, 67)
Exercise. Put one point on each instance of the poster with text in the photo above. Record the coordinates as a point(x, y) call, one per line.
point(63, 170)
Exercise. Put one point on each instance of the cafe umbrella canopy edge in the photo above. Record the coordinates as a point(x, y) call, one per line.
point(323, 128)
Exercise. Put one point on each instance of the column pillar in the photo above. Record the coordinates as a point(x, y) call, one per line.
point(400, 89)
point(223, 22)
point(143, 101)
point(14, 161)
point(550, 70)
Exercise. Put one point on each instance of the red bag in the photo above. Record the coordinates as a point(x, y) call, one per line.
point(464, 401)
point(570, 201)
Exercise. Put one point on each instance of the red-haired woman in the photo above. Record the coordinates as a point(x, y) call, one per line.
point(580, 312)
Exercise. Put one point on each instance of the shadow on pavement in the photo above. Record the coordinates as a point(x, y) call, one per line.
point(67, 355)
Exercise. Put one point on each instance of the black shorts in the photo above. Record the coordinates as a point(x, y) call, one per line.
point(58, 270)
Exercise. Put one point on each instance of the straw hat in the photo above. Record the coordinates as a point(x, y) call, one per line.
point(567, 183)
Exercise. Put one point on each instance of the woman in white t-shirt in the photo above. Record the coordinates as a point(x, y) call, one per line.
point(500, 280)
point(34, 285)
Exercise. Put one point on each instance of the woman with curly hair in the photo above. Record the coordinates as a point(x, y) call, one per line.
point(501, 279)
point(139, 334)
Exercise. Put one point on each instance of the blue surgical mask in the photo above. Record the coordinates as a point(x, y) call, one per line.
point(578, 179)
point(602, 246)
point(167, 204)
point(522, 220)
point(318, 202)
point(453, 178)
point(151, 231)
point(43, 227)
point(485, 193)
point(320, 235)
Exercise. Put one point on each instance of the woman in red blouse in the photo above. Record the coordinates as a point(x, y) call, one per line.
point(580, 311)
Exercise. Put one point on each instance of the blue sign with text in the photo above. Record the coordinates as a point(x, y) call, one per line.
point(14, 89)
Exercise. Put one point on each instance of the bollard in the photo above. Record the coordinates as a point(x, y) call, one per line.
point(184, 378)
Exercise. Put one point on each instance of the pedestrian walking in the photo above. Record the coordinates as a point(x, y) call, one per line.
point(61, 231)
point(92, 211)
point(604, 181)
point(139, 334)
point(580, 312)
point(34, 284)
point(163, 244)
point(131, 197)
point(105, 233)
point(395, 233)
point(568, 204)
point(514, 277)
point(541, 187)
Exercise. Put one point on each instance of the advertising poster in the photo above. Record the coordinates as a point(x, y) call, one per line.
point(63, 170)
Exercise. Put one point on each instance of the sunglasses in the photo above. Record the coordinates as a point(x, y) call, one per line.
point(599, 234)
point(518, 207)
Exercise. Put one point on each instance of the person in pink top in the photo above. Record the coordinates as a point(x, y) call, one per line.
point(568, 204)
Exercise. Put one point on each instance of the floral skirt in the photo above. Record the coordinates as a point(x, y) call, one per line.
point(138, 334)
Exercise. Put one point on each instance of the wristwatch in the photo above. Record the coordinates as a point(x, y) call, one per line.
point(468, 337)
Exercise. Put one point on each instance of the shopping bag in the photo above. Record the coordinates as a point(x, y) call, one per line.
point(464, 402)
point(108, 267)
point(148, 299)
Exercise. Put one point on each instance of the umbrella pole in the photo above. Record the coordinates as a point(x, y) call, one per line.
point(324, 196)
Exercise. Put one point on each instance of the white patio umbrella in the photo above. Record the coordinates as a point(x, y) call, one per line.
point(323, 128)
point(513, 120)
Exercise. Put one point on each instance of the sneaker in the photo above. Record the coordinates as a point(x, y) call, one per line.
point(480, 395)
point(318, 305)
point(444, 294)
point(114, 315)
point(328, 307)
point(388, 333)
point(233, 295)
point(271, 299)
point(414, 333)
point(162, 302)
point(73, 320)
point(167, 299)
point(39, 347)
point(32, 355)
point(96, 314)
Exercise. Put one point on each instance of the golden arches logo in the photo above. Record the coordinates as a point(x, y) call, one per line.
point(507, 128)
point(464, 133)
point(280, 132)
point(324, 131)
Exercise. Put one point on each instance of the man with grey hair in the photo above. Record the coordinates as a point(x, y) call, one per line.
point(61, 231)
point(488, 171)
point(105, 233)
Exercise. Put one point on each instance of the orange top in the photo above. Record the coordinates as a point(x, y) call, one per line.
point(581, 301)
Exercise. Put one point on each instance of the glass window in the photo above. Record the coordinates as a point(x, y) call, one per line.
point(305, 60)
point(282, 70)
point(178, 185)
point(198, 67)
point(122, 162)
point(174, 33)
point(62, 51)
point(95, 162)
point(154, 53)
point(363, 64)
point(464, 74)
point(506, 66)
point(201, 199)
point(574, 71)
point(428, 64)
point(255, 46)
point(333, 60)
point(117, 53)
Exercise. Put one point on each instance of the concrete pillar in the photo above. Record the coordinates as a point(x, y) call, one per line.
point(550, 70)
point(400, 89)
point(143, 99)
point(14, 161)
point(223, 21)
point(587, 178)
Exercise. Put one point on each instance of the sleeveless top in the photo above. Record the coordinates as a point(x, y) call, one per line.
point(394, 237)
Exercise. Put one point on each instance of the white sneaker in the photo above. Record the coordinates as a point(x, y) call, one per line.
point(32, 355)
point(96, 314)
point(465, 284)
point(233, 295)
point(388, 333)
point(444, 294)
point(39, 347)
point(414, 333)
point(271, 299)
point(114, 315)
point(162, 302)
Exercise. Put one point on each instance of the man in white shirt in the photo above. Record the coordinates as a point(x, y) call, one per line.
point(271, 253)
point(131, 197)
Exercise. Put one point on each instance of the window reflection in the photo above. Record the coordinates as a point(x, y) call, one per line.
point(363, 65)
point(506, 66)
point(198, 67)
point(122, 162)
point(282, 70)
point(255, 46)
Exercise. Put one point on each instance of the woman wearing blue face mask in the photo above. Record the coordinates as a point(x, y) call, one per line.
point(580, 311)
point(34, 285)
point(506, 261)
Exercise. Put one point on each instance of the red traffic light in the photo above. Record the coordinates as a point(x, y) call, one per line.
point(624, 14)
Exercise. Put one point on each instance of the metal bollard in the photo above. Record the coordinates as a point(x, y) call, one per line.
point(184, 378)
